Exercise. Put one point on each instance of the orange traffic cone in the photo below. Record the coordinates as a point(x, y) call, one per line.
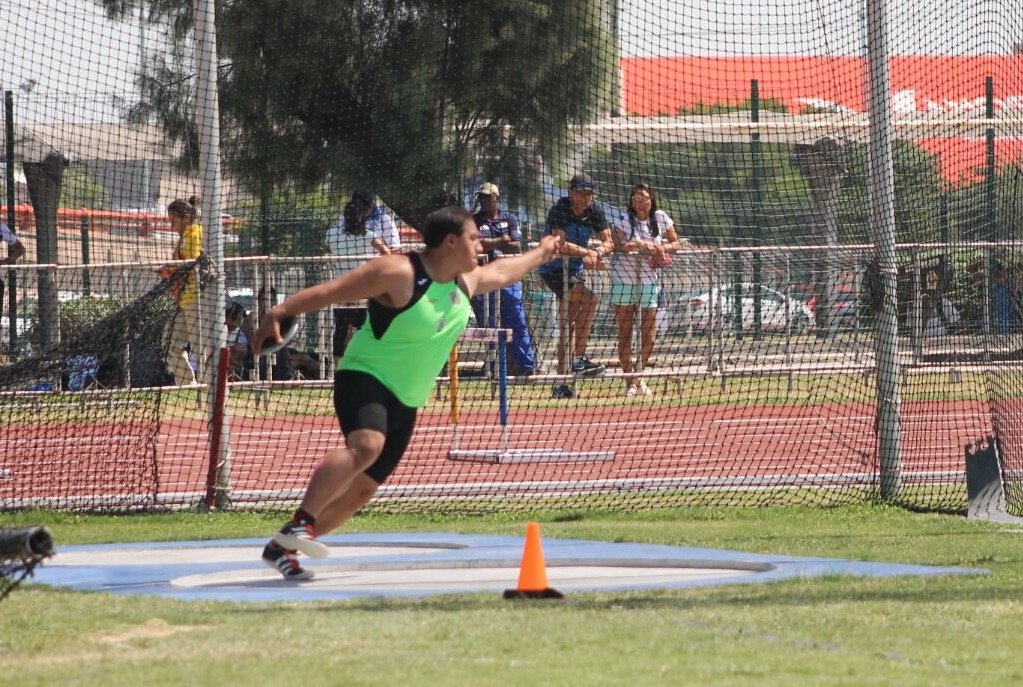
point(533, 570)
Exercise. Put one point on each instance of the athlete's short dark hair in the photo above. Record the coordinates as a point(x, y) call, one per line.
point(440, 223)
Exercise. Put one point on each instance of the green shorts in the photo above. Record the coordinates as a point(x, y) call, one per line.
point(643, 295)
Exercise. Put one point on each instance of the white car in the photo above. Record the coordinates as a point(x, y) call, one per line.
point(714, 309)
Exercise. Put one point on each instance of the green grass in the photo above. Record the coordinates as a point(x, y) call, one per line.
point(478, 394)
point(926, 631)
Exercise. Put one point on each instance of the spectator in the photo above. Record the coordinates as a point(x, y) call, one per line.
point(15, 251)
point(576, 219)
point(942, 320)
point(1008, 299)
point(282, 368)
point(289, 362)
point(236, 318)
point(353, 236)
point(644, 245)
point(500, 236)
point(942, 315)
point(380, 222)
point(184, 219)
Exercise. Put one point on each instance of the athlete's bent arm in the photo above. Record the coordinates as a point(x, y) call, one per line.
point(387, 279)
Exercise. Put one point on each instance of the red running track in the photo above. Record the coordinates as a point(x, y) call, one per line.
point(708, 444)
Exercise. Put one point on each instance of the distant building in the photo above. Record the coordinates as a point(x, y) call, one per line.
point(930, 92)
point(132, 164)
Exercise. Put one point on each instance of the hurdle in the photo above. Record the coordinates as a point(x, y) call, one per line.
point(504, 454)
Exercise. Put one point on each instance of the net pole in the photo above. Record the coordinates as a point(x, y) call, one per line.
point(564, 333)
point(453, 392)
point(502, 385)
point(212, 327)
point(12, 277)
point(882, 215)
point(990, 206)
point(218, 437)
point(494, 321)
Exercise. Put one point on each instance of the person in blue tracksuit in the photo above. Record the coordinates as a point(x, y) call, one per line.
point(499, 233)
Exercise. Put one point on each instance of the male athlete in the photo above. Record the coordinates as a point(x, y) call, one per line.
point(418, 307)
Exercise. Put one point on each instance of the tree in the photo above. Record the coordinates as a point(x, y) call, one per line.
point(400, 96)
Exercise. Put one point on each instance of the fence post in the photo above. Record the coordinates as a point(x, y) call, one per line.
point(86, 280)
point(217, 472)
point(882, 217)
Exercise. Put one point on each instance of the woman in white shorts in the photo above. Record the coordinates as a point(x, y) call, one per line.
point(643, 246)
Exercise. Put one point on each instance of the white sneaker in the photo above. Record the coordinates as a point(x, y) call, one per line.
point(642, 389)
point(631, 391)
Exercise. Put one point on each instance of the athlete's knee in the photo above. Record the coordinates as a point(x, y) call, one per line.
point(365, 447)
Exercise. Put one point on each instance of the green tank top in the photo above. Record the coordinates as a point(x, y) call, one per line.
point(406, 348)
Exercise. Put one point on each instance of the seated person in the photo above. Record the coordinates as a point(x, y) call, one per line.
point(289, 362)
point(942, 316)
point(239, 327)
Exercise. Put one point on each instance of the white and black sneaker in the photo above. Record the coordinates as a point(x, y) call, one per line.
point(300, 536)
point(562, 391)
point(285, 562)
point(584, 367)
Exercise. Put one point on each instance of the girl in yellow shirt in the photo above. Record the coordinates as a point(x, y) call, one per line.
point(185, 331)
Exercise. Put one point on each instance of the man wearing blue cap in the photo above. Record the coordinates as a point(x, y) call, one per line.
point(576, 219)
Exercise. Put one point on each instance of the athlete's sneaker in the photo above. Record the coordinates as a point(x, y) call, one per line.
point(285, 562)
point(582, 366)
point(632, 390)
point(562, 391)
point(642, 389)
point(299, 536)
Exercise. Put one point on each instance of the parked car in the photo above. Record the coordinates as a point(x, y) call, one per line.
point(24, 325)
point(844, 309)
point(699, 311)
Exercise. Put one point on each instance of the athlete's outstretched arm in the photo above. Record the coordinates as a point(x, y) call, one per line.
point(499, 273)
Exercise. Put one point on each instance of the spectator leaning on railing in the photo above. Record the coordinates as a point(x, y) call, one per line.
point(576, 219)
point(643, 243)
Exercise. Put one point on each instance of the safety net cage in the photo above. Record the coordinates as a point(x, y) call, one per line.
point(791, 271)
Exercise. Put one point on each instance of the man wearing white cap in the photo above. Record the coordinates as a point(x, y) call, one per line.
point(499, 233)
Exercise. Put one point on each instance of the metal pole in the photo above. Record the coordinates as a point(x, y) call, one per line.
point(758, 235)
point(86, 278)
point(918, 318)
point(207, 117)
point(882, 216)
point(502, 380)
point(564, 324)
point(12, 276)
point(990, 208)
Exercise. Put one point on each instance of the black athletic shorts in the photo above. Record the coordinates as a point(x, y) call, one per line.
point(555, 281)
point(362, 402)
point(343, 318)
